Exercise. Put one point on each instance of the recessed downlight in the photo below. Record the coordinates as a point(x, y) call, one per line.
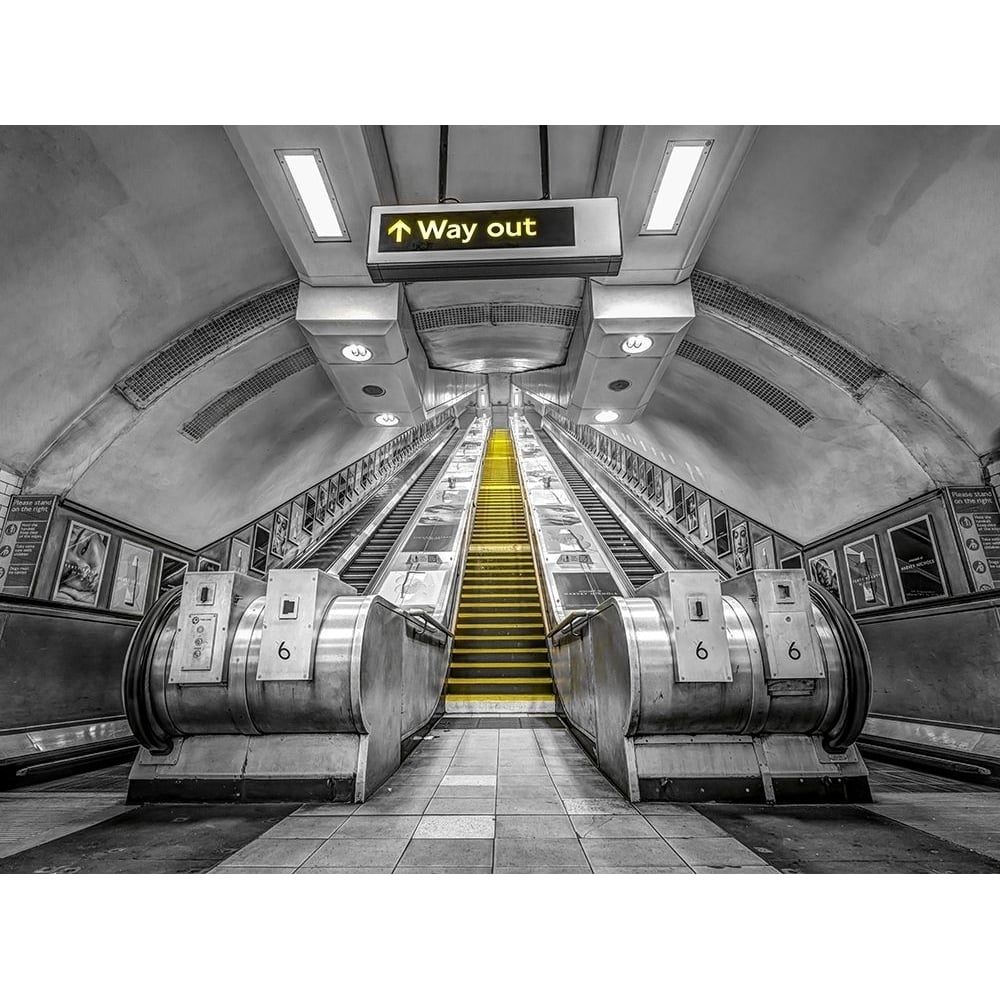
point(310, 183)
point(619, 385)
point(637, 343)
point(356, 352)
point(387, 419)
point(373, 390)
point(679, 172)
point(606, 416)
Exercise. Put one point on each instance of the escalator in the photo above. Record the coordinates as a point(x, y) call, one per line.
point(363, 567)
point(622, 546)
point(499, 657)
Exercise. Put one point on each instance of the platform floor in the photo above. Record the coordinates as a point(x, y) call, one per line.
point(506, 796)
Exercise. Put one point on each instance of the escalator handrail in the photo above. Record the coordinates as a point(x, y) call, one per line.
point(425, 622)
point(135, 675)
point(857, 673)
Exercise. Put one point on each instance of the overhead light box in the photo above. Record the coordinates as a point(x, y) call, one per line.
point(683, 161)
point(307, 177)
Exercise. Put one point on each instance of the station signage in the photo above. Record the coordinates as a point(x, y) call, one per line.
point(22, 540)
point(977, 519)
point(495, 240)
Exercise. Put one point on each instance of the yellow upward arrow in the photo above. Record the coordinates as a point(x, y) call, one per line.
point(397, 229)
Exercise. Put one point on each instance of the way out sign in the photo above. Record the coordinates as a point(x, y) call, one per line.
point(496, 240)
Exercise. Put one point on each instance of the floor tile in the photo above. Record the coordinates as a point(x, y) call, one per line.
point(251, 871)
point(588, 806)
point(305, 827)
point(409, 805)
point(538, 852)
point(734, 870)
point(401, 870)
point(461, 807)
point(455, 827)
point(704, 851)
point(463, 852)
point(665, 809)
point(611, 853)
point(535, 806)
point(540, 827)
point(357, 853)
point(327, 809)
point(263, 853)
point(332, 870)
point(377, 827)
point(463, 791)
point(617, 827)
point(470, 780)
point(543, 870)
point(684, 826)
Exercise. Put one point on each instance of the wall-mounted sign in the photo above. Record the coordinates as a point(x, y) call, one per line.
point(22, 540)
point(823, 569)
point(864, 574)
point(918, 564)
point(128, 593)
point(585, 590)
point(533, 239)
point(81, 568)
point(977, 522)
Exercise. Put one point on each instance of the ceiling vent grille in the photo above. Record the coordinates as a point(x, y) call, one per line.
point(765, 391)
point(145, 384)
point(212, 414)
point(792, 332)
point(496, 314)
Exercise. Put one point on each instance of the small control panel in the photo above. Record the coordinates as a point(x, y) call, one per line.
point(787, 619)
point(202, 629)
point(701, 647)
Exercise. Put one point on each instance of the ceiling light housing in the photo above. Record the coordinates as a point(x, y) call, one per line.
point(387, 419)
point(638, 343)
point(357, 352)
point(606, 416)
point(683, 162)
point(310, 183)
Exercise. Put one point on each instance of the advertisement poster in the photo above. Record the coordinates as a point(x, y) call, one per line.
point(742, 559)
point(691, 511)
point(584, 590)
point(678, 502)
point(763, 553)
point(280, 539)
point(322, 502)
point(978, 524)
point(81, 568)
point(823, 569)
point(309, 518)
point(258, 548)
point(239, 556)
point(918, 565)
point(705, 521)
point(792, 562)
point(208, 565)
point(24, 532)
point(723, 543)
point(864, 573)
point(295, 528)
point(131, 578)
point(171, 574)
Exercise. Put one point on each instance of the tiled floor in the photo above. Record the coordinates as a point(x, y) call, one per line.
point(504, 800)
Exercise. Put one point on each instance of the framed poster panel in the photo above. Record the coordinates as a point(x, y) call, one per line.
point(171, 574)
point(705, 526)
point(723, 542)
point(823, 569)
point(865, 578)
point(261, 540)
point(678, 502)
point(128, 593)
point(792, 562)
point(208, 565)
point(239, 556)
point(279, 539)
point(917, 561)
point(691, 511)
point(658, 487)
point(309, 518)
point(322, 502)
point(81, 567)
point(295, 525)
point(763, 553)
point(742, 557)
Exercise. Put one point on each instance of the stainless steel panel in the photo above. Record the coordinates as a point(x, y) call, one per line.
point(701, 647)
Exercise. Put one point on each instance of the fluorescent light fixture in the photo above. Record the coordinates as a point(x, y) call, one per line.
point(606, 416)
point(357, 352)
point(306, 175)
point(637, 343)
point(679, 172)
point(387, 419)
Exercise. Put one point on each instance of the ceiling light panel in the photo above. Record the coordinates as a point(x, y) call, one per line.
point(307, 177)
point(683, 162)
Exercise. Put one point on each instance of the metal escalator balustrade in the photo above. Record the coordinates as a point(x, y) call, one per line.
point(620, 543)
point(499, 654)
point(364, 566)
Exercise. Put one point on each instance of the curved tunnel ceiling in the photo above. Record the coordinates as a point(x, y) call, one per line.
point(118, 240)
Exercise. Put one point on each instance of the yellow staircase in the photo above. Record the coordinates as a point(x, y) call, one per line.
point(499, 660)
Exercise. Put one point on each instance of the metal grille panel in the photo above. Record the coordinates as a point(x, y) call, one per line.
point(145, 384)
point(765, 391)
point(496, 314)
point(224, 405)
point(800, 337)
